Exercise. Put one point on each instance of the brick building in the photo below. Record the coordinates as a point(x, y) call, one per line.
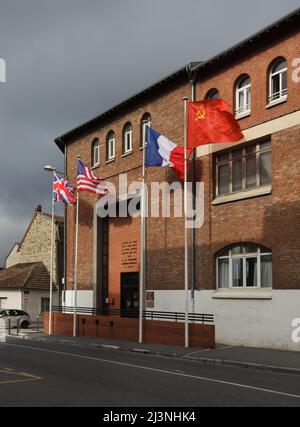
point(247, 269)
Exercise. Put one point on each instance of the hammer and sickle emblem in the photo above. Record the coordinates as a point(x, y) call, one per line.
point(200, 114)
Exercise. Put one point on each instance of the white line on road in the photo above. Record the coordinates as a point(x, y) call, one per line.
point(162, 371)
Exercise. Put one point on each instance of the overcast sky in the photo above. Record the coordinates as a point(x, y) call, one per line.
point(68, 60)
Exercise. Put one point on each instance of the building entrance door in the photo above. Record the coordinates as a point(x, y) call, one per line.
point(129, 294)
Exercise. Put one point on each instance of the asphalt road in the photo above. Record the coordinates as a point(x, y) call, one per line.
point(47, 374)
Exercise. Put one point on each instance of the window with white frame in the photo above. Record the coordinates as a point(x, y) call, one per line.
point(244, 168)
point(243, 96)
point(127, 139)
point(212, 94)
point(145, 124)
point(244, 266)
point(278, 80)
point(95, 152)
point(110, 146)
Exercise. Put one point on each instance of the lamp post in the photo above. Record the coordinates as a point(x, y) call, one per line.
point(51, 169)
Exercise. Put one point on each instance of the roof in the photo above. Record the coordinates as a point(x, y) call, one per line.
point(285, 24)
point(32, 275)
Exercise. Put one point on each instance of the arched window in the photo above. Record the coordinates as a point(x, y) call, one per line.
point(244, 265)
point(127, 139)
point(243, 96)
point(95, 152)
point(145, 123)
point(212, 94)
point(110, 146)
point(278, 80)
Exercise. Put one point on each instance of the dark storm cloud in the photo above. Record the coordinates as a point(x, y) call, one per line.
point(68, 60)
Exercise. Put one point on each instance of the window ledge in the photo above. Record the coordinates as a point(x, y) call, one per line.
point(110, 160)
point(242, 115)
point(277, 101)
point(95, 166)
point(245, 293)
point(127, 154)
point(241, 195)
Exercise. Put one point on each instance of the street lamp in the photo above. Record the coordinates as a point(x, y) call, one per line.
point(52, 169)
point(49, 168)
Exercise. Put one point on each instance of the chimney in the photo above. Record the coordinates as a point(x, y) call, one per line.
point(38, 208)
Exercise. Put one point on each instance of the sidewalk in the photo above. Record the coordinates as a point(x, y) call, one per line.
point(245, 357)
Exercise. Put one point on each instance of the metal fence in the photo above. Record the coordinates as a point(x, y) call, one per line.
point(147, 314)
point(14, 327)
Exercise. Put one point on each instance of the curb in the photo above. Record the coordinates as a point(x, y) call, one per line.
point(204, 360)
point(246, 365)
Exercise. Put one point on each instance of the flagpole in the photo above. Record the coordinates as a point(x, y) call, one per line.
point(142, 255)
point(51, 256)
point(76, 265)
point(186, 254)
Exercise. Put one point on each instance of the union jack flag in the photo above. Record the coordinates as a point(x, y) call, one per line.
point(63, 192)
point(87, 181)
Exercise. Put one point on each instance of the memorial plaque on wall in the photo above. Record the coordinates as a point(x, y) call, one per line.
point(150, 299)
point(130, 254)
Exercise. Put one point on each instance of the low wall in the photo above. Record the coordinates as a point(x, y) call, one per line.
point(115, 327)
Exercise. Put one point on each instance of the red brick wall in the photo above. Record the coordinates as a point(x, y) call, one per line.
point(167, 117)
point(269, 220)
point(272, 220)
point(122, 231)
point(114, 327)
point(257, 66)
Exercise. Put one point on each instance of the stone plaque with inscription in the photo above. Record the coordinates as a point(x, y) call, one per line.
point(129, 254)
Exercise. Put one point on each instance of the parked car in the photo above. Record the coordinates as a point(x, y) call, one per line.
point(13, 315)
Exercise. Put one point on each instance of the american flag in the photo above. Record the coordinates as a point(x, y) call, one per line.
point(63, 192)
point(87, 181)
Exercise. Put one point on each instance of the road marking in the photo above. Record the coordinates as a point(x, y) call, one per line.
point(25, 377)
point(161, 371)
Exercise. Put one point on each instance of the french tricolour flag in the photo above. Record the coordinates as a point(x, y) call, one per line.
point(163, 152)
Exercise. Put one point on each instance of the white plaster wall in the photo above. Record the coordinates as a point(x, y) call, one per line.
point(84, 299)
point(32, 305)
point(13, 299)
point(246, 322)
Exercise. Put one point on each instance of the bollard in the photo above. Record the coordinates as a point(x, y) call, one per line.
point(18, 325)
point(9, 326)
point(37, 322)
